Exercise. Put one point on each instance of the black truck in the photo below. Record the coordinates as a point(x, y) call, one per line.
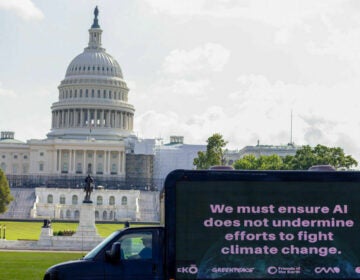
point(238, 225)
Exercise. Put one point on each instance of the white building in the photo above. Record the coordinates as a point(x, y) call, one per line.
point(170, 156)
point(91, 132)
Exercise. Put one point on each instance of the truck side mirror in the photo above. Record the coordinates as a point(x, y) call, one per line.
point(114, 253)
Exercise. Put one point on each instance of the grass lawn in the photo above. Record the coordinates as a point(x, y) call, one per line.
point(30, 265)
point(31, 230)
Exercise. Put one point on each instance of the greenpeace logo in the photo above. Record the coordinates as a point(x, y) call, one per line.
point(232, 269)
point(327, 270)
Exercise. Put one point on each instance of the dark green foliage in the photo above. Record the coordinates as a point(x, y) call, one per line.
point(5, 195)
point(304, 158)
point(214, 154)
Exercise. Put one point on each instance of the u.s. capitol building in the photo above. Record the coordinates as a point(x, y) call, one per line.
point(91, 133)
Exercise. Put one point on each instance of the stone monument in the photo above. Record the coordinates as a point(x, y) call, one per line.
point(87, 229)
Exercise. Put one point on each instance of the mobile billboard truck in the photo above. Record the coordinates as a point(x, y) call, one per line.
point(238, 225)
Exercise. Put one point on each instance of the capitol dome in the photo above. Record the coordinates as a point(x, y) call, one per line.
point(93, 96)
point(96, 62)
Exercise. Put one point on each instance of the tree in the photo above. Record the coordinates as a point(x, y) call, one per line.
point(319, 155)
point(250, 162)
point(214, 154)
point(304, 158)
point(5, 195)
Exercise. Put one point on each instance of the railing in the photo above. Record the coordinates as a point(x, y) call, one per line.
point(71, 181)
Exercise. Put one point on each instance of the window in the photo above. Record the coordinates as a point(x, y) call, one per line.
point(41, 166)
point(76, 214)
point(68, 214)
point(3, 166)
point(15, 156)
point(104, 215)
point(99, 200)
point(65, 167)
point(113, 168)
point(79, 168)
point(41, 154)
point(96, 215)
point(112, 200)
point(124, 200)
point(62, 199)
point(25, 157)
point(74, 200)
point(137, 246)
point(99, 168)
point(50, 199)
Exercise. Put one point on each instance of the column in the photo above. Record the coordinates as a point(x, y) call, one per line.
point(74, 162)
point(75, 118)
point(95, 167)
point(120, 120)
point(88, 118)
point(81, 117)
point(70, 161)
point(119, 163)
point(102, 118)
point(108, 119)
point(109, 158)
point(68, 118)
point(95, 117)
point(104, 163)
point(60, 155)
point(55, 168)
point(84, 162)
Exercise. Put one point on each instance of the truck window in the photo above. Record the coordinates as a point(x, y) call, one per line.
point(136, 246)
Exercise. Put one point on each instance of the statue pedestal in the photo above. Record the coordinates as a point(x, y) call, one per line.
point(87, 228)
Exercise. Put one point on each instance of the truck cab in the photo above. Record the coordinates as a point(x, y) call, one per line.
point(132, 253)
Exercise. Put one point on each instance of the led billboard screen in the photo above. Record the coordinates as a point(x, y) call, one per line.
point(267, 230)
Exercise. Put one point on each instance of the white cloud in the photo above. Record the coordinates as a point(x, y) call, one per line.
point(25, 9)
point(6, 92)
point(273, 12)
point(209, 57)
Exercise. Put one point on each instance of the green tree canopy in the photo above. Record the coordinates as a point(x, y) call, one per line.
point(307, 157)
point(304, 158)
point(250, 162)
point(214, 154)
point(5, 195)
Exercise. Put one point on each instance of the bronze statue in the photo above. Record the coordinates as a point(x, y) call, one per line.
point(96, 22)
point(88, 187)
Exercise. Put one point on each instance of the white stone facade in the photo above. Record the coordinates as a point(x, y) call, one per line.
point(110, 205)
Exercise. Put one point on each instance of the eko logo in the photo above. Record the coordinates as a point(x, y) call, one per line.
point(327, 270)
point(192, 269)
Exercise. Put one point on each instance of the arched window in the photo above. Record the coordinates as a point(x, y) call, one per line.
point(104, 215)
point(50, 199)
point(111, 215)
point(74, 199)
point(62, 199)
point(68, 214)
point(61, 214)
point(112, 200)
point(99, 200)
point(124, 200)
point(96, 214)
point(76, 214)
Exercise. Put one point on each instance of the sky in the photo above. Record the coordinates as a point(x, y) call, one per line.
point(240, 68)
